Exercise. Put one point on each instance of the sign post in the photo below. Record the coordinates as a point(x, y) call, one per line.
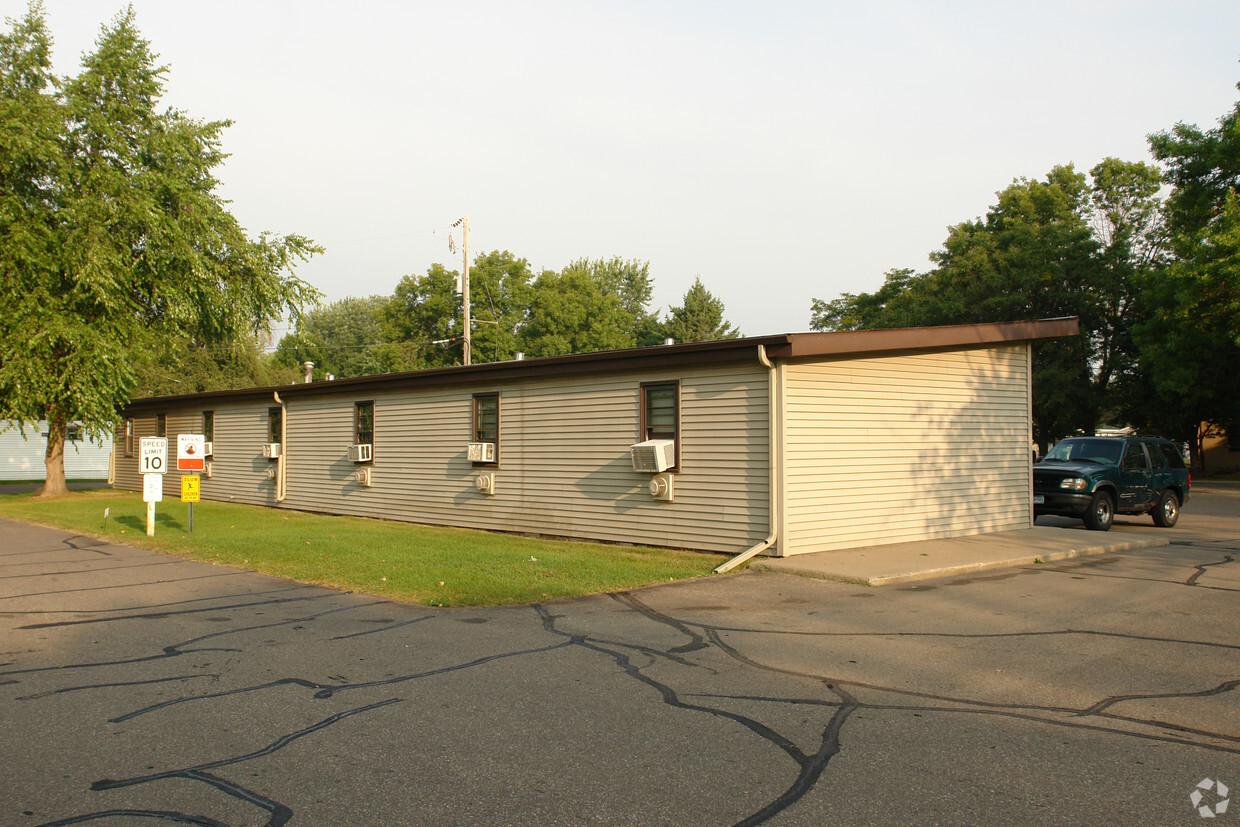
point(153, 463)
point(191, 456)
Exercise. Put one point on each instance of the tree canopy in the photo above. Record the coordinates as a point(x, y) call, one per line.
point(1069, 245)
point(589, 305)
point(1155, 283)
point(114, 242)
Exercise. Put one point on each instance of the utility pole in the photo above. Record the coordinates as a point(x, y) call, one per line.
point(463, 223)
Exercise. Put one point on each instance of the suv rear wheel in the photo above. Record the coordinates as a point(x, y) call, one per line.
point(1101, 512)
point(1167, 512)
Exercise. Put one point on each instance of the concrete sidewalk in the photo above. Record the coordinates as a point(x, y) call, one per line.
point(929, 559)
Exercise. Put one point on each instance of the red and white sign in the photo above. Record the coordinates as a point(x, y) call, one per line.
point(190, 452)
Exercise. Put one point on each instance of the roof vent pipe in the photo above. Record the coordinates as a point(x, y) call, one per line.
point(309, 366)
point(669, 341)
point(520, 355)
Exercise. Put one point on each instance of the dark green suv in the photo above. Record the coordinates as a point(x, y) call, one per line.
point(1094, 478)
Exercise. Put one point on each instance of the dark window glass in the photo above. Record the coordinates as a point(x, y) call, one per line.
point(161, 425)
point(275, 417)
point(129, 437)
point(1134, 457)
point(208, 426)
point(660, 411)
point(486, 420)
point(364, 423)
point(1171, 455)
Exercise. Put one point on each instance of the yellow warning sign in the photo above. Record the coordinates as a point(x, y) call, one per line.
point(189, 488)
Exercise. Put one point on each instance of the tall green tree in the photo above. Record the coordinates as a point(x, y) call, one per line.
point(114, 242)
point(570, 312)
point(423, 318)
point(344, 339)
point(500, 295)
point(200, 368)
point(699, 318)
point(629, 281)
point(1191, 340)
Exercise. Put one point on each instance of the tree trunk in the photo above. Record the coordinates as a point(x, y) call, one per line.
point(54, 460)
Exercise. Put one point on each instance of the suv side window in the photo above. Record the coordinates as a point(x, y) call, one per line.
point(1170, 455)
point(1134, 457)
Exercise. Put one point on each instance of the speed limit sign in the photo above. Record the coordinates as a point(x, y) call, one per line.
point(153, 455)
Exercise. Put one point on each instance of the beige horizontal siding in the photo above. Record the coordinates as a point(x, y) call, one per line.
point(564, 466)
point(905, 447)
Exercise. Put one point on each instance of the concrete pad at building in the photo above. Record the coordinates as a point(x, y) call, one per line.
point(930, 559)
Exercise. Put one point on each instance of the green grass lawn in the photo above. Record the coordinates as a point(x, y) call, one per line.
point(400, 561)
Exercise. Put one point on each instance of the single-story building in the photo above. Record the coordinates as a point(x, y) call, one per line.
point(792, 443)
point(23, 452)
point(1220, 452)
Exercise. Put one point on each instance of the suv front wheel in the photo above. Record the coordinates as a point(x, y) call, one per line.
point(1101, 512)
point(1167, 512)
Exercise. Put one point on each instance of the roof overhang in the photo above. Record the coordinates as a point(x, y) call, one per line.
point(784, 346)
point(848, 342)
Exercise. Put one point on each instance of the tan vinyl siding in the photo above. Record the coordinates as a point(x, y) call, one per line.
point(563, 470)
point(905, 447)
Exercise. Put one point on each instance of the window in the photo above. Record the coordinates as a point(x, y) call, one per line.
point(486, 422)
point(660, 413)
point(364, 428)
point(73, 433)
point(1134, 457)
point(129, 437)
point(364, 423)
point(275, 422)
point(208, 426)
point(1170, 455)
point(161, 425)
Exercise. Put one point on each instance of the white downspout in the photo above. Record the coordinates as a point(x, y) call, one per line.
point(772, 424)
point(281, 479)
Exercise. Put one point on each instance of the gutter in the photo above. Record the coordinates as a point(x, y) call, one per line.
point(772, 462)
point(281, 478)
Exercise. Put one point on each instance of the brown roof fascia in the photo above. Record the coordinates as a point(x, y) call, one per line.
point(923, 338)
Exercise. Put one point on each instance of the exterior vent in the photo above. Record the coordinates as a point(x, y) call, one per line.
point(485, 482)
point(206, 470)
point(663, 488)
point(482, 452)
point(271, 450)
point(654, 455)
point(362, 452)
point(363, 476)
point(208, 449)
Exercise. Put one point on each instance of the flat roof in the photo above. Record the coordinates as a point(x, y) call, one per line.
point(782, 346)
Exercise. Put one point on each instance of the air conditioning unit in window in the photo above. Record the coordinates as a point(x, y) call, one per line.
point(208, 449)
point(654, 455)
point(362, 452)
point(485, 482)
point(271, 450)
point(482, 452)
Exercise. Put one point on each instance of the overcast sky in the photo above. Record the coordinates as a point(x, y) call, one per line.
point(782, 151)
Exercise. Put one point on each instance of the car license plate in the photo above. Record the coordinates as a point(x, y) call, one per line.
point(1038, 499)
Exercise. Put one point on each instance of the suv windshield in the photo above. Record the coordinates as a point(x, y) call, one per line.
point(1105, 451)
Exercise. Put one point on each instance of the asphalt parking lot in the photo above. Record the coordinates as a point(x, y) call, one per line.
point(141, 689)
